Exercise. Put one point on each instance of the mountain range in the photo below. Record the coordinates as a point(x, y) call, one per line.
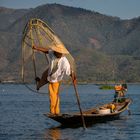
point(105, 48)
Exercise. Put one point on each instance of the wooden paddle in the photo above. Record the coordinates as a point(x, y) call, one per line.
point(78, 99)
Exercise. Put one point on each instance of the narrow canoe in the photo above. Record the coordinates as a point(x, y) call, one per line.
point(93, 115)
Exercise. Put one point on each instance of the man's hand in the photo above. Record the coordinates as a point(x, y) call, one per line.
point(37, 79)
point(74, 79)
point(35, 48)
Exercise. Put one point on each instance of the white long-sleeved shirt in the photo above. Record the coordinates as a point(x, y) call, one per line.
point(58, 68)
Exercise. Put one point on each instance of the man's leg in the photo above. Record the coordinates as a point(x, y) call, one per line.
point(54, 97)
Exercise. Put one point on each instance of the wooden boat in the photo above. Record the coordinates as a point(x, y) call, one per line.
point(94, 115)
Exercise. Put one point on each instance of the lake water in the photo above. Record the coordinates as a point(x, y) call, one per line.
point(21, 114)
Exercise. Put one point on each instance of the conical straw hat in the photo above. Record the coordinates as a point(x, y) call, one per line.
point(59, 48)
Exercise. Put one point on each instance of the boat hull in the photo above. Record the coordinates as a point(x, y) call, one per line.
point(91, 116)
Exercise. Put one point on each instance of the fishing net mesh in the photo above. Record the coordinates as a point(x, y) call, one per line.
point(39, 34)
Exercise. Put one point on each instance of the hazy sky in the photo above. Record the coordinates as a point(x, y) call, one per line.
point(125, 9)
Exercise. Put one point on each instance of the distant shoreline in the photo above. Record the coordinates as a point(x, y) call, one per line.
point(79, 83)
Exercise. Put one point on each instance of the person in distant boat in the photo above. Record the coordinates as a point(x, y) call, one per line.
point(120, 90)
point(59, 66)
point(124, 88)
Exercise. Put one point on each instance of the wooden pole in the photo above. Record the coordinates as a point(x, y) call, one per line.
point(22, 70)
point(78, 101)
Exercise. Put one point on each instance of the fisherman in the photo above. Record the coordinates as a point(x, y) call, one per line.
point(59, 66)
point(124, 88)
point(120, 90)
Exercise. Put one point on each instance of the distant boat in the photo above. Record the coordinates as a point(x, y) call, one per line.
point(93, 115)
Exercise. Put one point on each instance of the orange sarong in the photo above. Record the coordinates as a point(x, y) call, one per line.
point(54, 97)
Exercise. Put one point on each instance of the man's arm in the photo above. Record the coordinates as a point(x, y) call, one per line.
point(45, 50)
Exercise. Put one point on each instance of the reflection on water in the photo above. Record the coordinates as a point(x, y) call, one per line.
point(21, 115)
point(53, 133)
